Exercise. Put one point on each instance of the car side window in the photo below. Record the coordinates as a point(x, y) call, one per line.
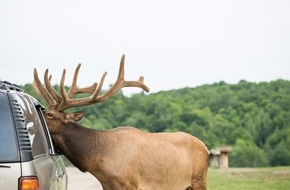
point(50, 144)
point(34, 127)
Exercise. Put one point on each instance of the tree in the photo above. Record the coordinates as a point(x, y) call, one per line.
point(247, 154)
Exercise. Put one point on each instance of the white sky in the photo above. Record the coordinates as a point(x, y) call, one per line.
point(172, 43)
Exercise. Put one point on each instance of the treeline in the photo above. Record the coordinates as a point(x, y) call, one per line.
point(252, 118)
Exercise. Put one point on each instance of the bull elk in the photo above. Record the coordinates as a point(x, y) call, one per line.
point(124, 157)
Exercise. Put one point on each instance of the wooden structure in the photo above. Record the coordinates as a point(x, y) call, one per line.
point(219, 157)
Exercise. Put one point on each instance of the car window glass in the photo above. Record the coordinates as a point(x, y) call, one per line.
point(40, 114)
point(8, 146)
point(34, 126)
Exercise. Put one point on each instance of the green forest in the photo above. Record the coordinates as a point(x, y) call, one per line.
point(252, 118)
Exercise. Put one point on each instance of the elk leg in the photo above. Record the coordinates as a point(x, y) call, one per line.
point(199, 180)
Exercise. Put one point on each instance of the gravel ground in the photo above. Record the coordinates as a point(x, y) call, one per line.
point(78, 180)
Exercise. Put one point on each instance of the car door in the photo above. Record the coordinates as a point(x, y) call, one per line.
point(58, 176)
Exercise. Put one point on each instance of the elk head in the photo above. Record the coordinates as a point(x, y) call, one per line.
point(59, 102)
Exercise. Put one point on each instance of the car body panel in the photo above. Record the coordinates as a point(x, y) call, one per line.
point(47, 169)
point(9, 175)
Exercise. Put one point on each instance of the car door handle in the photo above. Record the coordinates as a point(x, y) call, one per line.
point(4, 166)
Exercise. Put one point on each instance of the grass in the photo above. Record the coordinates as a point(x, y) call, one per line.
point(276, 178)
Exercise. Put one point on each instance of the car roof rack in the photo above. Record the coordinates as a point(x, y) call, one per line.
point(5, 85)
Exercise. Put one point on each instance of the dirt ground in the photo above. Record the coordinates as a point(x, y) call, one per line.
point(78, 180)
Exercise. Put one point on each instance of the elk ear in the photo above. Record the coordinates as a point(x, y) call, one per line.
point(73, 117)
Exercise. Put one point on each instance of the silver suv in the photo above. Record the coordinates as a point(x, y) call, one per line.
point(27, 156)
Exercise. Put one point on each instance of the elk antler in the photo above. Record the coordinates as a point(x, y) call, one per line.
point(65, 100)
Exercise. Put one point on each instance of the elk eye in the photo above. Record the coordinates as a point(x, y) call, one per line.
point(49, 114)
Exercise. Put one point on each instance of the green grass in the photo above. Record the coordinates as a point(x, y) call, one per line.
point(276, 178)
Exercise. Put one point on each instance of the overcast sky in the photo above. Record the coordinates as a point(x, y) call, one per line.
point(172, 43)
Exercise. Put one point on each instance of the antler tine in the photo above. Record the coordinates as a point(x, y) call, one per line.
point(98, 90)
point(75, 90)
point(50, 89)
point(41, 91)
point(65, 99)
point(121, 83)
point(73, 87)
